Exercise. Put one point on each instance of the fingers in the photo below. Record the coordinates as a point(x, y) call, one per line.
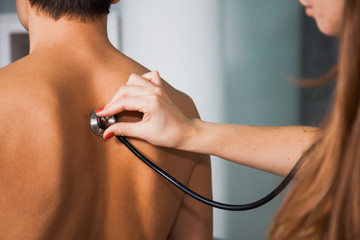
point(153, 77)
point(137, 86)
point(127, 91)
point(136, 79)
point(131, 103)
point(124, 129)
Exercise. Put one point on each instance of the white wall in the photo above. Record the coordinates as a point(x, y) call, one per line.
point(182, 40)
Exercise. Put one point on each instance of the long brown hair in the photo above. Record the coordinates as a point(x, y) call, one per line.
point(325, 200)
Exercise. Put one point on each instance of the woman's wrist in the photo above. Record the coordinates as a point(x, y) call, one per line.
point(193, 136)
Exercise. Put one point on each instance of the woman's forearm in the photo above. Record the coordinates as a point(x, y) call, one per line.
point(272, 149)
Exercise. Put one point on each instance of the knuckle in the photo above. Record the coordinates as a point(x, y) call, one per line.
point(119, 130)
point(132, 77)
point(156, 73)
point(155, 101)
point(123, 91)
point(159, 91)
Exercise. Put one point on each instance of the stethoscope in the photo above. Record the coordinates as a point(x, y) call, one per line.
point(99, 124)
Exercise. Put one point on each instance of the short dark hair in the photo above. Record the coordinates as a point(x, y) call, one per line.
point(83, 10)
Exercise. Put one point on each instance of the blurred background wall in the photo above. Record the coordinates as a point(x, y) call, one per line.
point(235, 58)
point(7, 6)
point(261, 51)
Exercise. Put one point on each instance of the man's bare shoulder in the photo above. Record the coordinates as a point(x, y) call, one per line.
point(24, 104)
point(19, 91)
point(11, 91)
point(15, 70)
point(182, 100)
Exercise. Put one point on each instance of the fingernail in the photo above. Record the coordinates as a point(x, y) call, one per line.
point(99, 110)
point(109, 135)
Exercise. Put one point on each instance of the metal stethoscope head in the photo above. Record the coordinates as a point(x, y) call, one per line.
point(98, 124)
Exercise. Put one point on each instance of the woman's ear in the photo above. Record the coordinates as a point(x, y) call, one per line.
point(114, 1)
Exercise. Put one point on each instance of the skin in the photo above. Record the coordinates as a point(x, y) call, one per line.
point(60, 181)
point(327, 14)
point(272, 149)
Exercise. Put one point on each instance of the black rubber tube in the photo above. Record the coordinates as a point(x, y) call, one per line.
point(224, 206)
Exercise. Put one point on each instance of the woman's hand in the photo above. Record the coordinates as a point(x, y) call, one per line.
point(272, 149)
point(163, 124)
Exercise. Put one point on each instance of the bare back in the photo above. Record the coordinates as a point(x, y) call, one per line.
point(60, 181)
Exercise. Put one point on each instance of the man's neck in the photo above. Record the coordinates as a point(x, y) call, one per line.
point(46, 34)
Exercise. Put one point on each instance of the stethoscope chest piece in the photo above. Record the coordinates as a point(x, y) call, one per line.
point(98, 124)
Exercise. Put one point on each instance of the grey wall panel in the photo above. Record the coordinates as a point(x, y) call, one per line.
point(7, 6)
point(261, 52)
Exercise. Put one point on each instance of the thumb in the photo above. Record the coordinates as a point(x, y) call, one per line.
point(124, 129)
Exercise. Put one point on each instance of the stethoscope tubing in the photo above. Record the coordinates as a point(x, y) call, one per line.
point(96, 125)
point(215, 204)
